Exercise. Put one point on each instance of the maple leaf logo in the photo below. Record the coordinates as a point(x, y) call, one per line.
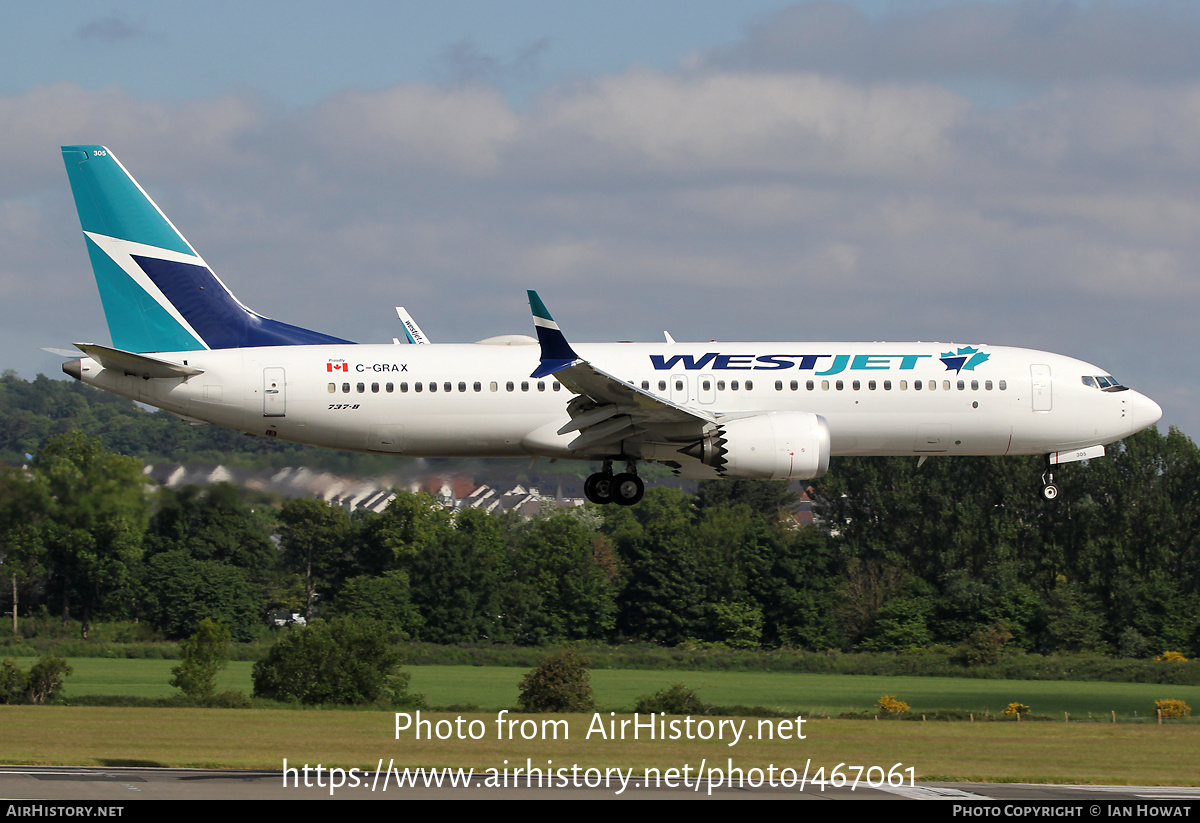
point(967, 357)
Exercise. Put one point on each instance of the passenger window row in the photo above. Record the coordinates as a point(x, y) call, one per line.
point(1105, 383)
point(432, 386)
point(855, 385)
point(901, 385)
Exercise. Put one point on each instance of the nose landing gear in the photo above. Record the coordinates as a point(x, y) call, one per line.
point(624, 489)
point(1049, 490)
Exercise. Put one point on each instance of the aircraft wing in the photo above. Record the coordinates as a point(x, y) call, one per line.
point(607, 409)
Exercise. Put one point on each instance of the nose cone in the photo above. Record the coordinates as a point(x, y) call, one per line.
point(1143, 412)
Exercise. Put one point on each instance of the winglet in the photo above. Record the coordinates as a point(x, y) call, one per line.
point(557, 353)
point(411, 330)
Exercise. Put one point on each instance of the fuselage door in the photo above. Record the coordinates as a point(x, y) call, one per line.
point(1043, 398)
point(706, 388)
point(274, 396)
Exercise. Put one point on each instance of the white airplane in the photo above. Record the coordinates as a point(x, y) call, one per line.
point(182, 342)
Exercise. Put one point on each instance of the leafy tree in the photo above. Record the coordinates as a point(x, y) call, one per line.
point(12, 682)
point(1131, 643)
point(205, 653)
point(984, 647)
point(1073, 623)
point(178, 592)
point(997, 595)
point(864, 588)
point(738, 624)
point(41, 684)
point(664, 594)
point(731, 543)
point(214, 523)
point(340, 661)
point(24, 503)
point(559, 684)
point(45, 679)
point(902, 623)
point(314, 536)
point(97, 515)
point(556, 557)
point(464, 588)
point(764, 497)
point(796, 589)
point(409, 525)
point(386, 599)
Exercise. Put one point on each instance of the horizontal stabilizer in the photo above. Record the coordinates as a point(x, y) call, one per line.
point(139, 365)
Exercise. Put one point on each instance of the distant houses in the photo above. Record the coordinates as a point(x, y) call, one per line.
point(352, 494)
point(452, 491)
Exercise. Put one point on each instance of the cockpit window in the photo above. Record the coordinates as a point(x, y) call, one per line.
point(1104, 382)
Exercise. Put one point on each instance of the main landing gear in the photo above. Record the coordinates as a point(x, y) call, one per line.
point(623, 489)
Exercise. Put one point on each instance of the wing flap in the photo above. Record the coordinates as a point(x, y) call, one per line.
point(612, 431)
point(604, 389)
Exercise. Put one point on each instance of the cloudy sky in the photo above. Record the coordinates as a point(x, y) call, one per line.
point(1020, 173)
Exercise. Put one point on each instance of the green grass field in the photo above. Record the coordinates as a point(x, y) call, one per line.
point(1096, 752)
point(492, 688)
point(252, 738)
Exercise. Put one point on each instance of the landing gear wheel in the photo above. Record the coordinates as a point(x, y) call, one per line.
point(627, 489)
point(598, 488)
point(1049, 490)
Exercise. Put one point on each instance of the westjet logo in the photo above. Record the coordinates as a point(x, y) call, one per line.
point(967, 357)
point(827, 363)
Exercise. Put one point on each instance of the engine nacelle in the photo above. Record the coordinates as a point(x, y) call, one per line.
point(767, 446)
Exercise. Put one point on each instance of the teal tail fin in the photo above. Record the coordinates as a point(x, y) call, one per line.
point(158, 293)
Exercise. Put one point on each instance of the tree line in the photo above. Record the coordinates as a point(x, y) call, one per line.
point(958, 551)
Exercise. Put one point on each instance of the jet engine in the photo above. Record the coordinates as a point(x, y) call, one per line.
point(767, 446)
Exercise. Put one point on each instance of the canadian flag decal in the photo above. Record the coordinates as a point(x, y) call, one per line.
point(337, 365)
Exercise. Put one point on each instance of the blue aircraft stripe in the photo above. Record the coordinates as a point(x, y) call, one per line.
point(211, 310)
point(136, 321)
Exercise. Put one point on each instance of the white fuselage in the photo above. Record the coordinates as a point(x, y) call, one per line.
point(451, 400)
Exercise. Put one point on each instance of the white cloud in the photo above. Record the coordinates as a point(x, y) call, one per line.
point(460, 130)
point(716, 123)
point(168, 141)
point(1029, 42)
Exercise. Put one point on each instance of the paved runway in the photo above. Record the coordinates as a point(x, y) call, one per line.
point(121, 785)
